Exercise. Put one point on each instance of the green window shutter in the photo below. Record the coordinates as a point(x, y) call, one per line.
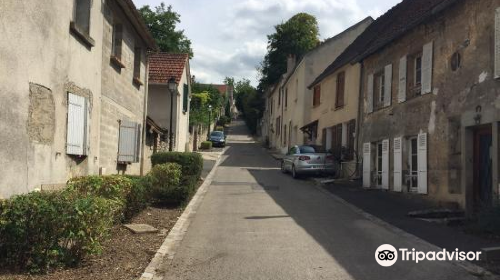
point(185, 98)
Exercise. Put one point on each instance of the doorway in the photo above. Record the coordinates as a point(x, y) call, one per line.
point(482, 168)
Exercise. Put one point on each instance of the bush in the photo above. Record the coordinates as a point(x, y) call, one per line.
point(224, 120)
point(219, 128)
point(42, 230)
point(139, 196)
point(165, 181)
point(206, 145)
point(191, 163)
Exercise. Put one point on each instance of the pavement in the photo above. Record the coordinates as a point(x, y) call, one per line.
point(393, 208)
point(253, 222)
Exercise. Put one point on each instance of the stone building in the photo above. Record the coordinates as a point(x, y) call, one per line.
point(58, 86)
point(431, 101)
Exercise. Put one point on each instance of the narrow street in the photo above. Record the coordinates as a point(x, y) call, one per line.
point(257, 223)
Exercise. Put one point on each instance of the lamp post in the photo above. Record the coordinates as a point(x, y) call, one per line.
point(209, 119)
point(172, 87)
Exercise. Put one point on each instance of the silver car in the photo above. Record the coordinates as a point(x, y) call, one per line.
point(307, 160)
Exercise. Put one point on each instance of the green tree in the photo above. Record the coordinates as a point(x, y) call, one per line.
point(295, 37)
point(198, 113)
point(249, 102)
point(162, 25)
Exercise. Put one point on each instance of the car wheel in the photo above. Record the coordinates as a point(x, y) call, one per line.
point(283, 169)
point(295, 175)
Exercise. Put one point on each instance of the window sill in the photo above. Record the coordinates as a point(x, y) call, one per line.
point(137, 81)
point(117, 62)
point(339, 107)
point(82, 35)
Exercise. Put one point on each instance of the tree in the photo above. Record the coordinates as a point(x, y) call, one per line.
point(162, 25)
point(249, 102)
point(295, 37)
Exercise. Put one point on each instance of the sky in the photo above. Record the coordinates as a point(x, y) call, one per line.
point(229, 38)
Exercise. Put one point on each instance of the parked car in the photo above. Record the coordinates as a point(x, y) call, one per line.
point(301, 160)
point(217, 138)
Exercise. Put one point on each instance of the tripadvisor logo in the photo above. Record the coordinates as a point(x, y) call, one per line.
point(386, 255)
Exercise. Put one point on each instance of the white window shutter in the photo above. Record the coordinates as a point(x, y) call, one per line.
point(87, 126)
point(398, 164)
point(369, 92)
point(402, 79)
point(76, 130)
point(366, 165)
point(427, 68)
point(497, 44)
point(385, 164)
point(127, 145)
point(422, 163)
point(138, 142)
point(387, 85)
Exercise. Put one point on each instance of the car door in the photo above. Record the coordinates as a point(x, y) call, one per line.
point(290, 157)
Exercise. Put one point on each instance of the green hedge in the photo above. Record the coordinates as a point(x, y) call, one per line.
point(166, 179)
point(139, 197)
point(191, 163)
point(206, 145)
point(41, 230)
point(219, 128)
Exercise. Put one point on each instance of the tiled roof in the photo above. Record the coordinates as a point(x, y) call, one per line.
point(163, 66)
point(394, 23)
point(220, 87)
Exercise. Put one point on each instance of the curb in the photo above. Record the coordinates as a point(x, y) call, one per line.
point(469, 267)
point(176, 235)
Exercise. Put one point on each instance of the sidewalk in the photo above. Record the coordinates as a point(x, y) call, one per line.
point(393, 208)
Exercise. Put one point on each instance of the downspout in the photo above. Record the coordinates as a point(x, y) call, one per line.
point(145, 113)
point(360, 105)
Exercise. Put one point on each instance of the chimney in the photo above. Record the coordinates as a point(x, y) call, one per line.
point(290, 63)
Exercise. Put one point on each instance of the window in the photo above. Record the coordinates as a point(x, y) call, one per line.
point(278, 126)
point(116, 52)
point(339, 98)
point(286, 97)
point(129, 142)
point(272, 104)
point(77, 137)
point(379, 88)
point(317, 96)
point(185, 98)
point(279, 97)
point(351, 134)
point(379, 165)
point(284, 133)
point(412, 179)
point(82, 15)
point(137, 63)
point(418, 70)
point(414, 75)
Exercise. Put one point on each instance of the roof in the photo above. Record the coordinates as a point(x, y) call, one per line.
point(329, 40)
point(220, 87)
point(390, 26)
point(138, 23)
point(163, 66)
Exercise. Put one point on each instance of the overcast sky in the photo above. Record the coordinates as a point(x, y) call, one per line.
point(229, 37)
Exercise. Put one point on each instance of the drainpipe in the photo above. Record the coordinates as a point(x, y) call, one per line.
point(360, 105)
point(145, 113)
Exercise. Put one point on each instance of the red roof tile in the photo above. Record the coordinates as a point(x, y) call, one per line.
point(163, 66)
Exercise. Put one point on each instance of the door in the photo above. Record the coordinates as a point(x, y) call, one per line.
point(482, 185)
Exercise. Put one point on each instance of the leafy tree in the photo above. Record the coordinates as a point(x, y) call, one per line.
point(249, 102)
point(198, 113)
point(162, 25)
point(295, 37)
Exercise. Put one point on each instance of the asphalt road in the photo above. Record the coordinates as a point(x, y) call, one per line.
point(256, 223)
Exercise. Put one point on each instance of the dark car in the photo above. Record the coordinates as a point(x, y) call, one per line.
point(217, 138)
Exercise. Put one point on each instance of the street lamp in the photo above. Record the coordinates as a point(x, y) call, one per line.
point(209, 119)
point(172, 87)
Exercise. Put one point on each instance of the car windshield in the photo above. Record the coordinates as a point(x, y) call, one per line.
point(217, 134)
point(306, 150)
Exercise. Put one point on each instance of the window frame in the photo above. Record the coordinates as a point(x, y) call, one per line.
point(77, 28)
point(412, 170)
point(379, 162)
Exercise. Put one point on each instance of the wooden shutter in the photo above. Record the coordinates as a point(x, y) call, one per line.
point(398, 164)
point(76, 125)
point(422, 163)
point(427, 68)
point(127, 145)
point(369, 93)
point(497, 44)
point(339, 100)
point(366, 165)
point(351, 130)
point(385, 164)
point(323, 140)
point(387, 85)
point(402, 79)
point(185, 98)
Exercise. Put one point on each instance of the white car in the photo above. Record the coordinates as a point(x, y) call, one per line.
point(307, 160)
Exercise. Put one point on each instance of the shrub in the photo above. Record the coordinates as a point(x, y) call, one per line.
point(191, 163)
point(115, 187)
point(219, 128)
point(206, 145)
point(224, 120)
point(139, 196)
point(42, 230)
point(165, 181)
